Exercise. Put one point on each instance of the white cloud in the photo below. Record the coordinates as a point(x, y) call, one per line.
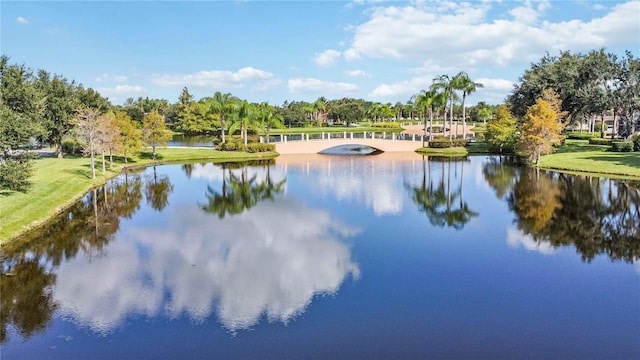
point(326, 88)
point(495, 84)
point(334, 176)
point(109, 77)
point(120, 92)
point(269, 262)
point(22, 20)
point(357, 73)
point(403, 88)
point(216, 79)
point(267, 85)
point(351, 55)
point(516, 238)
point(326, 58)
point(462, 35)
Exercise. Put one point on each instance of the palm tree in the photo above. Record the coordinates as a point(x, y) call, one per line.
point(444, 84)
point(320, 110)
point(484, 112)
point(269, 119)
point(398, 108)
point(223, 105)
point(441, 96)
point(244, 117)
point(424, 100)
point(467, 86)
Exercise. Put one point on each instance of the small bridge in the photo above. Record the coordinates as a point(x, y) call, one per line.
point(305, 143)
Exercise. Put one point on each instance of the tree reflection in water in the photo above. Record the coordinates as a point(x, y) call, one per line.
point(434, 196)
point(596, 215)
point(240, 191)
point(28, 265)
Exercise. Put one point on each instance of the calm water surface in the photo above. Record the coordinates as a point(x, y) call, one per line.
point(383, 256)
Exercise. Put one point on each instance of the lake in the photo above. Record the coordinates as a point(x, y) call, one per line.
point(382, 256)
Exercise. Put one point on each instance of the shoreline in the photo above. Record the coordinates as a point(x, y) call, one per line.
point(24, 227)
point(188, 155)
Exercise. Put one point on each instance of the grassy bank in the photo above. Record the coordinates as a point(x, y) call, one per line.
point(58, 183)
point(455, 151)
point(579, 156)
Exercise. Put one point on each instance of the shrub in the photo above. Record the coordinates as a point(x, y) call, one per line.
point(599, 141)
point(71, 146)
point(580, 135)
point(386, 124)
point(251, 147)
point(232, 146)
point(622, 146)
point(636, 143)
point(440, 143)
point(260, 147)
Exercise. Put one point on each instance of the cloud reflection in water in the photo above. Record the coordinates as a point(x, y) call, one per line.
point(271, 260)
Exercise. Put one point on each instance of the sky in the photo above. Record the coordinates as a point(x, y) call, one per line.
point(272, 51)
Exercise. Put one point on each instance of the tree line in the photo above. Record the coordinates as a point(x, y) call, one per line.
point(568, 91)
point(558, 91)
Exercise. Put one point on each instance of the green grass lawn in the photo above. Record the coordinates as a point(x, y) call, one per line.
point(580, 156)
point(456, 151)
point(58, 183)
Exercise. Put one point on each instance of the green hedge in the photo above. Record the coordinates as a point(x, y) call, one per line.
point(386, 124)
point(599, 141)
point(622, 146)
point(580, 135)
point(636, 143)
point(441, 143)
point(260, 147)
point(251, 147)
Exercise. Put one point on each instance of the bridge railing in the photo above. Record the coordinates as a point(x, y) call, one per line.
point(283, 138)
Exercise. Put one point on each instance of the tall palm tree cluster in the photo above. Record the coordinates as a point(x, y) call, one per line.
point(226, 112)
point(442, 94)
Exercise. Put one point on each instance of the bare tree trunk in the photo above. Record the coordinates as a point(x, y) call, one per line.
point(104, 167)
point(93, 166)
point(221, 127)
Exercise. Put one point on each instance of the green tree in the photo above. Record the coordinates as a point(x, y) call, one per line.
point(540, 131)
point(501, 131)
point(243, 119)
point(348, 110)
point(21, 109)
point(484, 112)
point(223, 106)
point(269, 120)
point(424, 101)
point(464, 83)
point(191, 117)
point(130, 139)
point(446, 85)
point(154, 131)
point(60, 102)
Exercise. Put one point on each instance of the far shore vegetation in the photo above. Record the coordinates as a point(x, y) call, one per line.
point(577, 113)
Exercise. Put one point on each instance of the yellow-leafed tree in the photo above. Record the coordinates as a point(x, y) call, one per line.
point(540, 130)
point(154, 131)
point(130, 139)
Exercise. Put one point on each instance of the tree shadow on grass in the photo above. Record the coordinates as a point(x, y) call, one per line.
point(582, 146)
point(5, 193)
point(629, 159)
point(148, 155)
